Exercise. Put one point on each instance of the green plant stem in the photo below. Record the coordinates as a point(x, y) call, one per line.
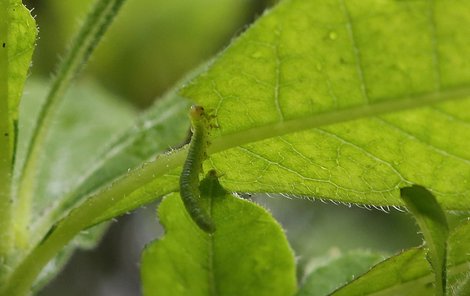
point(5, 141)
point(96, 23)
point(86, 214)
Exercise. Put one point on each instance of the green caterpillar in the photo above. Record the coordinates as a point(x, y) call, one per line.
point(189, 179)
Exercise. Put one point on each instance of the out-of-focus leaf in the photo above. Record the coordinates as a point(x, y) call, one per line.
point(303, 93)
point(278, 60)
point(17, 40)
point(163, 126)
point(409, 273)
point(247, 255)
point(433, 224)
point(337, 271)
point(87, 121)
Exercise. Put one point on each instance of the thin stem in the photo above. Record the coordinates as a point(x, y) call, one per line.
point(95, 25)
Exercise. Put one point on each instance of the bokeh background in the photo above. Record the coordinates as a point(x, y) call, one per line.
point(151, 45)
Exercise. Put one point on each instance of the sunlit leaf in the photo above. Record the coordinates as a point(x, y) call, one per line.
point(305, 91)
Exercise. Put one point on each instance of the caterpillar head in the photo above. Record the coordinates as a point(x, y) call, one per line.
point(196, 112)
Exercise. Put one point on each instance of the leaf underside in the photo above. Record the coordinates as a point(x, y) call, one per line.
point(311, 81)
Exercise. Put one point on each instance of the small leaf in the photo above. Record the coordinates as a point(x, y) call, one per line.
point(247, 255)
point(340, 270)
point(433, 224)
point(409, 273)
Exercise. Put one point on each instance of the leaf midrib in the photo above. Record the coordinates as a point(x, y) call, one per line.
point(397, 104)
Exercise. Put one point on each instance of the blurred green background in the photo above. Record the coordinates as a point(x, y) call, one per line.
point(151, 45)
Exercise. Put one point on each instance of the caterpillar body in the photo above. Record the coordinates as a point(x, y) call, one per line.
point(189, 179)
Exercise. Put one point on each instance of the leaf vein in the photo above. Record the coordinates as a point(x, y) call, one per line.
point(279, 165)
point(429, 145)
point(435, 52)
point(365, 151)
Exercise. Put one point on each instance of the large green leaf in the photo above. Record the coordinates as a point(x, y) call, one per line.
point(311, 81)
point(17, 40)
point(409, 273)
point(247, 255)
